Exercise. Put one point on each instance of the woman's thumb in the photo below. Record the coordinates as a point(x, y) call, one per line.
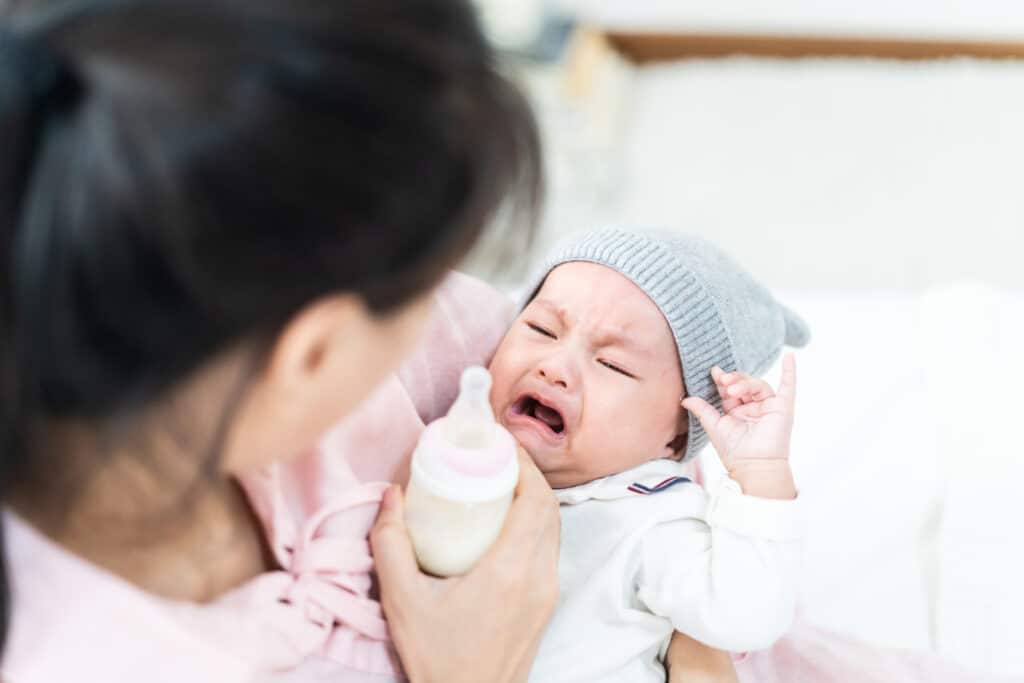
point(393, 555)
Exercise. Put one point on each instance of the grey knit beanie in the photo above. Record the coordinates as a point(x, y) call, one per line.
point(718, 313)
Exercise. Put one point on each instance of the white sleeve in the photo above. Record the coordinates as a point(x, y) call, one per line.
point(727, 579)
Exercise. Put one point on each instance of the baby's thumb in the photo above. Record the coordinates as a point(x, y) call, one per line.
point(705, 413)
point(394, 558)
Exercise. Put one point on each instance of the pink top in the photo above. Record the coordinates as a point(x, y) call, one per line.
point(315, 619)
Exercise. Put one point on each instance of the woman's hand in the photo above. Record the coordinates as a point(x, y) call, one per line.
point(487, 624)
point(688, 661)
point(752, 437)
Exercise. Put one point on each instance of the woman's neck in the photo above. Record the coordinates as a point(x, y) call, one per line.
point(168, 529)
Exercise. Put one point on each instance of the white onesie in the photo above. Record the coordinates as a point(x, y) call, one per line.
point(646, 552)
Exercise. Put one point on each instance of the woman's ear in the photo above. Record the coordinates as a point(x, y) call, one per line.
point(308, 343)
point(323, 364)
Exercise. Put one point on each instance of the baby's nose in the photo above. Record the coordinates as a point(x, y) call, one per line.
point(554, 375)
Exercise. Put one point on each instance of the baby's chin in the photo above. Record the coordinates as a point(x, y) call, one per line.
point(562, 475)
point(565, 480)
point(544, 462)
point(538, 454)
point(552, 459)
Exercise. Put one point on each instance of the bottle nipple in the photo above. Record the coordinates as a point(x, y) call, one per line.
point(470, 422)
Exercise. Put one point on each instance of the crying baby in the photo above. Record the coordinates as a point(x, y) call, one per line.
point(632, 352)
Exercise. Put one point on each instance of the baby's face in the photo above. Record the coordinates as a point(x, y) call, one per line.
point(588, 379)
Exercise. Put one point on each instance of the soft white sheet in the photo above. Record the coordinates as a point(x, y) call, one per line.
point(908, 454)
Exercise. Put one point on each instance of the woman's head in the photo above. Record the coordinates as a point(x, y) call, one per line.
point(250, 198)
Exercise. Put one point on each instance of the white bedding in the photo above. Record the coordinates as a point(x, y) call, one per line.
point(908, 454)
point(860, 189)
point(847, 176)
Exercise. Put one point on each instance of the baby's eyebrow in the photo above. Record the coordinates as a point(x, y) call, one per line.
point(602, 338)
point(621, 340)
point(553, 307)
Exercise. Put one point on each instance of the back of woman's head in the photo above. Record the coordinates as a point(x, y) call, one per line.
point(177, 176)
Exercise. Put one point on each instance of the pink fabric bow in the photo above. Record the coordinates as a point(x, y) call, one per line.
point(332, 580)
point(319, 603)
point(327, 608)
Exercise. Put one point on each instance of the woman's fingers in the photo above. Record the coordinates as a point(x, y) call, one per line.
point(531, 480)
point(533, 517)
point(497, 612)
point(522, 565)
point(393, 555)
point(533, 494)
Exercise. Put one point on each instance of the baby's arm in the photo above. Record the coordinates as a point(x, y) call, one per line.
point(752, 437)
point(728, 577)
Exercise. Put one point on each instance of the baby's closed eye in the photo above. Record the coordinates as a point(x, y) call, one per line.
point(616, 368)
point(541, 330)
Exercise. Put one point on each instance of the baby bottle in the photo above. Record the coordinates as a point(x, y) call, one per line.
point(464, 470)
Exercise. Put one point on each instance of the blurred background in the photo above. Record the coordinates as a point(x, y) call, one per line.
point(865, 161)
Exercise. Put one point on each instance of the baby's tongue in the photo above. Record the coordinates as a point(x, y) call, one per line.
point(549, 416)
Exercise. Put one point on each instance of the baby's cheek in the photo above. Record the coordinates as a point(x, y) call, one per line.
point(601, 427)
point(500, 375)
point(643, 424)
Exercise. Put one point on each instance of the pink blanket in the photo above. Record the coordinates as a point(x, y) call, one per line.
point(811, 655)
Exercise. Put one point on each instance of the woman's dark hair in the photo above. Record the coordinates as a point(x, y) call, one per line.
point(180, 176)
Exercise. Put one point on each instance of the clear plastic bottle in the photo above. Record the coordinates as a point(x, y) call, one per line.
point(464, 472)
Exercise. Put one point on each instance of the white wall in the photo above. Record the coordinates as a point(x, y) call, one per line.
point(816, 174)
point(836, 173)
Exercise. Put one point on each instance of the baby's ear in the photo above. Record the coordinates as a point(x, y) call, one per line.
point(678, 445)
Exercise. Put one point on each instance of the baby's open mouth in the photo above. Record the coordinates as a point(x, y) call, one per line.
point(546, 415)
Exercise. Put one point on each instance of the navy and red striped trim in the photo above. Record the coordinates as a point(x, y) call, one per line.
point(637, 487)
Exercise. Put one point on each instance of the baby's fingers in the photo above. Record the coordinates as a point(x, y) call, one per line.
point(787, 383)
point(722, 381)
point(730, 404)
point(705, 413)
point(749, 389)
point(723, 378)
point(727, 403)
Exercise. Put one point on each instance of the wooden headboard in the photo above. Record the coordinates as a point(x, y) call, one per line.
point(645, 47)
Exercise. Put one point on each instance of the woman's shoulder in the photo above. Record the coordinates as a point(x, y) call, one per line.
point(71, 620)
point(469, 320)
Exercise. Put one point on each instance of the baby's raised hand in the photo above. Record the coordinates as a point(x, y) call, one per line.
point(752, 437)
